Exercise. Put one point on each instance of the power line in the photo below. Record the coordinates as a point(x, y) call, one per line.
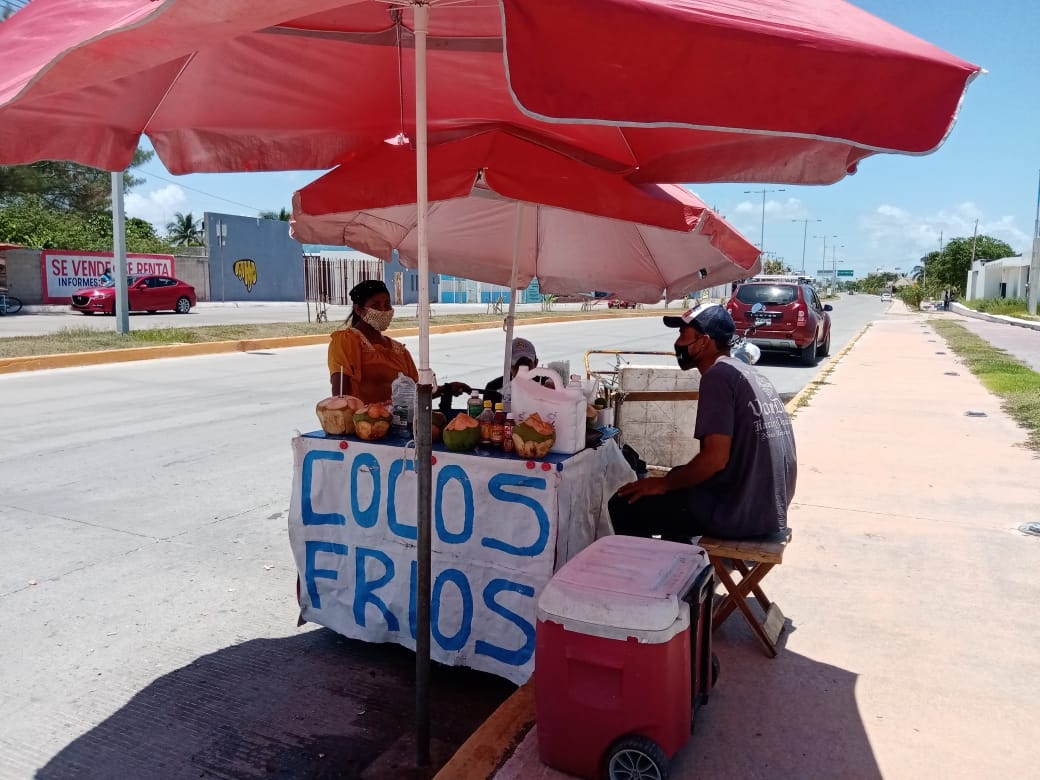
point(200, 192)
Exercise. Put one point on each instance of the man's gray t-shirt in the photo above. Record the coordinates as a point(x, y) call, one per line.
point(757, 485)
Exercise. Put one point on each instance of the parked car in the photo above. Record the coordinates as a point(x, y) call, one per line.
point(792, 319)
point(886, 296)
point(144, 293)
point(618, 303)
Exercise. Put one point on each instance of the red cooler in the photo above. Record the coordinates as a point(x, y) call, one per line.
point(623, 654)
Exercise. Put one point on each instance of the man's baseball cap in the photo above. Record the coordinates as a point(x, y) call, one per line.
point(523, 349)
point(712, 319)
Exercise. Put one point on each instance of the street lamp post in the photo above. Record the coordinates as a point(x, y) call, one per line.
point(805, 235)
point(762, 233)
point(835, 261)
point(823, 269)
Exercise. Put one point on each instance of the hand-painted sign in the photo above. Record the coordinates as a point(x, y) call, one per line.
point(64, 272)
point(495, 528)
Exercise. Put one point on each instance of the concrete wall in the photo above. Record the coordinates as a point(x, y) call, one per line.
point(985, 278)
point(256, 260)
point(192, 266)
point(25, 279)
point(403, 283)
point(23, 274)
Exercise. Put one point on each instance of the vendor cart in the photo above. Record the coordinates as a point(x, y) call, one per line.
point(654, 402)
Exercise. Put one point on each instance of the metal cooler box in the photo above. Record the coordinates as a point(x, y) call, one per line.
point(622, 656)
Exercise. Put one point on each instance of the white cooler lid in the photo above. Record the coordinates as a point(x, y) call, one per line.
point(624, 582)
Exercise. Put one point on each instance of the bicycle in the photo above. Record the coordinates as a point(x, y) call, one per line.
point(9, 304)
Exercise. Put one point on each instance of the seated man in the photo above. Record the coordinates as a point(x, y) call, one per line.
point(523, 354)
point(742, 481)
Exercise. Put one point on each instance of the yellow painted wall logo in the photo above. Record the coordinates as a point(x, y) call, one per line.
point(245, 269)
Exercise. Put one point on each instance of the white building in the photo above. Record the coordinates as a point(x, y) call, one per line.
point(1004, 278)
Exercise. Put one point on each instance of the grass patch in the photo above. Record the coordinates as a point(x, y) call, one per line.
point(87, 340)
point(1008, 307)
point(1017, 384)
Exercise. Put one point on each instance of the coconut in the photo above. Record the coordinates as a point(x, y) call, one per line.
point(533, 437)
point(336, 413)
point(372, 422)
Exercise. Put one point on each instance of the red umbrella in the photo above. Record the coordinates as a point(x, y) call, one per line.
point(794, 91)
point(504, 210)
point(798, 91)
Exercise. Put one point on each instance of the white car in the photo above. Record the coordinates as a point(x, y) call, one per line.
point(886, 297)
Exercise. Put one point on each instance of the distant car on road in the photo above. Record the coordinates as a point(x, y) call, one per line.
point(618, 303)
point(795, 320)
point(886, 296)
point(144, 293)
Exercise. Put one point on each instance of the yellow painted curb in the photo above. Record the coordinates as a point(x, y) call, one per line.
point(131, 354)
point(822, 374)
point(493, 742)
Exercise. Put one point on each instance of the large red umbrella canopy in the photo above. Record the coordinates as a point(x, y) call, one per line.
point(794, 91)
point(504, 210)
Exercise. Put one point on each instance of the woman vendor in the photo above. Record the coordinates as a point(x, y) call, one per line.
point(362, 361)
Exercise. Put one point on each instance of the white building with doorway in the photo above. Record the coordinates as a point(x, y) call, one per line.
point(1004, 278)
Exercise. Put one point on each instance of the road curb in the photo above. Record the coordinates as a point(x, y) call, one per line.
point(492, 743)
point(133, 354)
point(806, 392)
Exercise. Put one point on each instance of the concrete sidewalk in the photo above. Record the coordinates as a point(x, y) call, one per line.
point(912, 647)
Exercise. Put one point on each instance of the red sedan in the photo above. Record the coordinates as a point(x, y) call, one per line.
point(145, 293)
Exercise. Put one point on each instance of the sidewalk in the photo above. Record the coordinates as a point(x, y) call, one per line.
point(912, 647)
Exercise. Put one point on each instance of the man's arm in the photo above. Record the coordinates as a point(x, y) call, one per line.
point(712, 458)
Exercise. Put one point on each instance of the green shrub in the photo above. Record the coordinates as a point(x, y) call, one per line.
point(1007, 306)
point(911, 295)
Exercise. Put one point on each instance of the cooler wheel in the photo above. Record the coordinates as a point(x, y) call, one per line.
point(636, 758)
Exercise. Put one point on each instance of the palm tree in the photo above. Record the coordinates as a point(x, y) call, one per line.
point(184, 230)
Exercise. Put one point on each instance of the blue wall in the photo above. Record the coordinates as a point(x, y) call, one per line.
point(409, 281)
point(257, 262)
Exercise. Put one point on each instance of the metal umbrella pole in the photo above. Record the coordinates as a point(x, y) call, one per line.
point(423, 421)
point(507, 360)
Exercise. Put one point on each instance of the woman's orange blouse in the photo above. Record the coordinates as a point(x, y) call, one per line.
point(371, 368)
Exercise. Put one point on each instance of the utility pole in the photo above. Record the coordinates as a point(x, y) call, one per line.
point(1034, 263)
point(823, 261)
point(805, 235)
point(762, 233)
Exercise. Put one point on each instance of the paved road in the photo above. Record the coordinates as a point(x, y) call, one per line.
point(146, 586)
point(50, 319)
point(1023, 343)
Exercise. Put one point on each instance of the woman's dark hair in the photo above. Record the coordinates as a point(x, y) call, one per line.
point(361, 293)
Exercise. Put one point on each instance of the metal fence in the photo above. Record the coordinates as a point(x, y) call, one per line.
point(328, 281)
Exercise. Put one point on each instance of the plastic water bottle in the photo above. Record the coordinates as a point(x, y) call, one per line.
point(402, 401)
point(474, 406)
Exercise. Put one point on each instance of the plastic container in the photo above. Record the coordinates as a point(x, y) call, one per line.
point(402, 402)
point(564, 408)
point(474, 406)
point(498, 425)
point(507, 433)
point(622, 652)
point(487, 422)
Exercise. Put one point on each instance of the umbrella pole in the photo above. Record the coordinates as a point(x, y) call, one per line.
point(423, 422)
point(507, 368)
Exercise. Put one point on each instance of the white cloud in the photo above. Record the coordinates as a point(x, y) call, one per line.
point(157, 206)
point(900, 236)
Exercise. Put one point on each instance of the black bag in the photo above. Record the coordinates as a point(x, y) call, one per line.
point(638, 464)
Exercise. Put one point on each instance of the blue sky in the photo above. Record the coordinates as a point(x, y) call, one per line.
point(889, 214)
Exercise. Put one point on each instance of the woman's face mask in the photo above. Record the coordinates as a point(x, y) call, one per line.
point(379, 319)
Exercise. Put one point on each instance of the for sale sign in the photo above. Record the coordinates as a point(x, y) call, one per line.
point(65, 272)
